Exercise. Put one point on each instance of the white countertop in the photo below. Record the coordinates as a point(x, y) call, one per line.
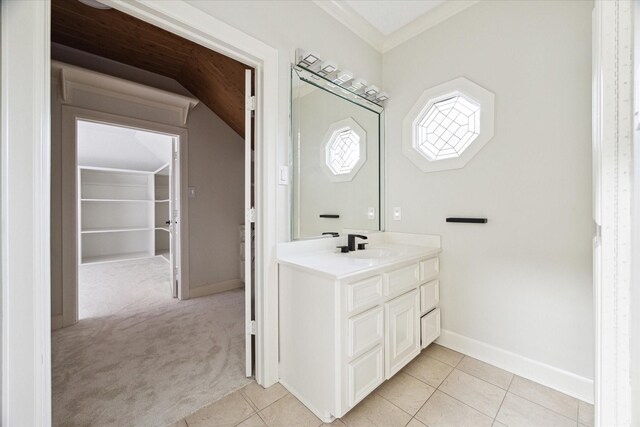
point(327, 261)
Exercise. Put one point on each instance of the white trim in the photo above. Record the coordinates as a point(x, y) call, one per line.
point(613, 159)
point(71, 77)
point(214, 288)
point(70, 221)
point(25, 211)
point(557, 379)
point(351, 19)
point(343, 13)
point(191, 23)
point(425, 22)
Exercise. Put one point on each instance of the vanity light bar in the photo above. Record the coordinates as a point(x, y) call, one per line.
point(306, 59)
point(327, 67)
point(371, 90)
point(342, 77)
point(357, 84)
point(382, 96)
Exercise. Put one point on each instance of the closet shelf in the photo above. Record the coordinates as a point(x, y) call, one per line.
point(162, 201)
point(117, 200)
point(162, 228)
point(113, 229)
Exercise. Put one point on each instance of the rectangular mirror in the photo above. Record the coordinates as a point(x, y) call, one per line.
point(335, 136)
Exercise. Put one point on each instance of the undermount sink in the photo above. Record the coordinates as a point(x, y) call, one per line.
point(374, 253)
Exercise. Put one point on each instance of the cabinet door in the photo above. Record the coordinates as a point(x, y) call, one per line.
point(429, 296)
point(364, 375)
point(402, 331)
point(430, 327)
point(364, 331)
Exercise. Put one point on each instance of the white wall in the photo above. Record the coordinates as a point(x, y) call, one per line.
point(287, 25)
point(522, 282)
point(215, 168)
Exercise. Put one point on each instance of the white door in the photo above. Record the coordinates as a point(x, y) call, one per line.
point(402, 334)
point(248, 226)
point(174, 216)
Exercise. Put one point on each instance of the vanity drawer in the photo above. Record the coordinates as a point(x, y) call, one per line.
point(365, 374)
point(429, 327)
point(364, 331)
point(402, 279)
point(429, 268)
point(429, 295)
point(364, 293)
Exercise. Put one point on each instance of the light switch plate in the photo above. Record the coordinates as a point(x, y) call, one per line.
point(397, 214)
point(192, 192)
point(371, 213)
point(283, 175)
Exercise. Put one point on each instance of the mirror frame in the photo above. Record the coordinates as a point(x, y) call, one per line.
point(323, 83)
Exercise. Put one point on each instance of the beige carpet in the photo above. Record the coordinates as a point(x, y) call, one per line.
point(139, 357)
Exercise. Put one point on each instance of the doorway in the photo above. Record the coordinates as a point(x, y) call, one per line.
point(26, 391)
point(128, 208)
point(118, 238)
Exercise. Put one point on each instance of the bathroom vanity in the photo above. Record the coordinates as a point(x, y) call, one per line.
point(349, 321)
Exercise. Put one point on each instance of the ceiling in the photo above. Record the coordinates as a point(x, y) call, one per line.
point(109, 146)
point(385, 24)
point(391, 15)
point(216, 80)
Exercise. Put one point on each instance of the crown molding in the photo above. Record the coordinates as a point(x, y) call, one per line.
point(348, 17)
point(73, 78)
point(426, 21)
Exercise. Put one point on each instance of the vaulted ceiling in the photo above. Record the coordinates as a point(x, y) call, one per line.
point(216, 80)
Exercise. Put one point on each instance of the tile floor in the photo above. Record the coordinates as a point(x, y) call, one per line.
point(439, 388)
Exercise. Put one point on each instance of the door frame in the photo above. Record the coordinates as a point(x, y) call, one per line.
point(25, 181)
point(70, 220)
point(612, 202)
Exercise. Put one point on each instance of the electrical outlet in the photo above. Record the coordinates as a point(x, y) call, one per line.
point(371, 213)
point(397, 214)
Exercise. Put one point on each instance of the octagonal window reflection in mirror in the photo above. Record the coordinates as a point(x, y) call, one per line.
point(345, 150)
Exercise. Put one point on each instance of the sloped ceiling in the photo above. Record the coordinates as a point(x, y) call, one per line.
point(216, 80)
point(117, 147)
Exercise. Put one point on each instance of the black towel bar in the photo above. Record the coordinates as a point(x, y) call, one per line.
point(468, 220)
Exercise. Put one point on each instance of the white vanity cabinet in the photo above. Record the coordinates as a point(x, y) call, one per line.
point(343, 336)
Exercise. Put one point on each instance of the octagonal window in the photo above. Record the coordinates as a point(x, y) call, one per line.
point(447, 126)
point(345, 150)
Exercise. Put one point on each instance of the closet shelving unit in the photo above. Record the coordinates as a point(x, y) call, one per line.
point(162, 212)
point(118, 214)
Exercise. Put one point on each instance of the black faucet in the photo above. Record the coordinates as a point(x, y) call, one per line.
point(351, 240)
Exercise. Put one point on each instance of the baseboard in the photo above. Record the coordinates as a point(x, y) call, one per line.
point(557, 379)
point(214, 288)
point(56, 322)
